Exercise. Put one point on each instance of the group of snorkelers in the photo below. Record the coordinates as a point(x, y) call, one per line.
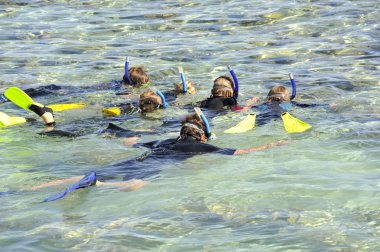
point(195, 130)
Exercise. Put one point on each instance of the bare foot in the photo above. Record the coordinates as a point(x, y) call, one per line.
point(130, 140)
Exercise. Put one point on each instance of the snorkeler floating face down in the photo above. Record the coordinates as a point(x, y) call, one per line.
point(194, 126)
point(149, 101)
point(278, 94)
point(223, 87)
point(136, 77)
point(190, 89)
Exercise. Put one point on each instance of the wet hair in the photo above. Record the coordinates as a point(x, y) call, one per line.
point(149, 101)
point(278, 93)
point(223, 87)
point(178, 89)
point(138, 76)
point(193, 126)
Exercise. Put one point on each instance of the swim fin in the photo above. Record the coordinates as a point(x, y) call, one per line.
point(86, 181)
point(20, 98)
point(243, 126)
point(6, 120)
point(114, 111)
point(59, 133)
point(67, 106)
point(293, 124)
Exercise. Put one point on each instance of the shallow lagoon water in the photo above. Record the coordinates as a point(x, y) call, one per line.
point(319, 193)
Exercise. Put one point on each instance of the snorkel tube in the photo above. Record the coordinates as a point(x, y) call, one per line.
point(180, 70)
point(161, 95)
point(294, 87)
point(236, 82)
point(209, 135)
point(126, 74)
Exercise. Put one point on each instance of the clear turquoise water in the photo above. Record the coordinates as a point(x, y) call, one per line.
point(320, 193)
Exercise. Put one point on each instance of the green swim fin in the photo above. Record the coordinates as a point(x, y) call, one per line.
point(6, 120)
point(293, 124)
point(243, 126)
point(20, 98)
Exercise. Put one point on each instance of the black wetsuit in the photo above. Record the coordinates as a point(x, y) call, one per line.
point(219, 103)
point(164, 152)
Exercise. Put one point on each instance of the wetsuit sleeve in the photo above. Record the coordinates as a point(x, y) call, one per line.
point(230, 101)
point(201, 148)
point(218, 103)
point(227, 151)
point(203, 104)
point(156, 143)
point(43, 90)
point(303, 105)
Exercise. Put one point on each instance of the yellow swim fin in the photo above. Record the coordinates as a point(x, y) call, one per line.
point(20, 98)
point(243, 126)
point(293, 124)
point(67, 106)
point(114, 111)
point(6, 120)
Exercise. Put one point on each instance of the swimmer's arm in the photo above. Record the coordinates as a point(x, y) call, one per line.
point(259, 148)
point(248, 105)
point(129, 185)
point(57, 183)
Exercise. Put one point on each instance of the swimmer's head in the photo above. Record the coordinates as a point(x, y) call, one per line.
point(279, 94)
point(194, 126)
point(149, 101)
point(190, 89)
point(138, 76)
point(223, 87)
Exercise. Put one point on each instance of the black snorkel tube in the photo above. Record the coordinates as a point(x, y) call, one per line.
point(126, 74)
point(294, 87)
point(180, 70)
point(236, 82)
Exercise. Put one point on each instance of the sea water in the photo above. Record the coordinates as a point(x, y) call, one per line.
point(321, 192)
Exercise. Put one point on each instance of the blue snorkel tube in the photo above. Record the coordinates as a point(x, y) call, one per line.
point(236, 82)
point(161, 95)
point(126, 74)
point(180, 70)
point(294, 87)
point(209, 135)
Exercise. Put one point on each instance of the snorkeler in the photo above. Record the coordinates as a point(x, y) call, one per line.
point(224, 95)
point(134, 76)
point(277, 104)
point(194, 135)
point(184, 87)
point(149, 101)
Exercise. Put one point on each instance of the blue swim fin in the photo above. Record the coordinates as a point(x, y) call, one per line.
point(86, 181)
point(11, 192)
